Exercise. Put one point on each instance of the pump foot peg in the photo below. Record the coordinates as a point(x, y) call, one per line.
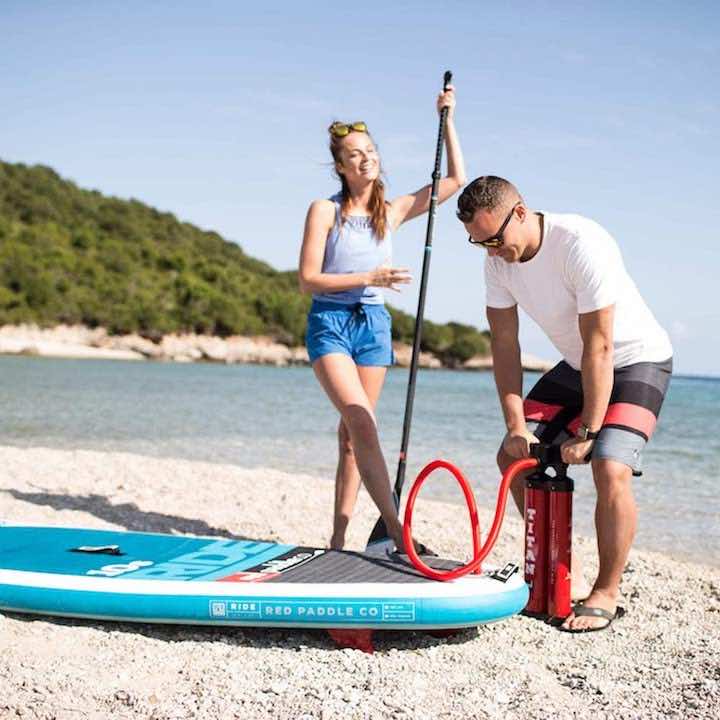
point(353, 639)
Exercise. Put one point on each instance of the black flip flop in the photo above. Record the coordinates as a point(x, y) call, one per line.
point(587, 611)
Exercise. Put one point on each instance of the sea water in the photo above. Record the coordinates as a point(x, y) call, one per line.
point(255, 416)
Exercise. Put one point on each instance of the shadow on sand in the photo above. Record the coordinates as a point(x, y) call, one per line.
point(261, 637)
point(128, 515)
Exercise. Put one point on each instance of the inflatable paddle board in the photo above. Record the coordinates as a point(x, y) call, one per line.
point(153, 578)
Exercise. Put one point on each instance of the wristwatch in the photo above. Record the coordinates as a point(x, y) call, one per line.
point(585, 433)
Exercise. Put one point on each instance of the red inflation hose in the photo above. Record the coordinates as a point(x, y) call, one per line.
point(479, 553)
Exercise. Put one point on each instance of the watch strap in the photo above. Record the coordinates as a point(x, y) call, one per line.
point(584, 433)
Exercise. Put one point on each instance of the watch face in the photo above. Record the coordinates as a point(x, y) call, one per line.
point(584, 433)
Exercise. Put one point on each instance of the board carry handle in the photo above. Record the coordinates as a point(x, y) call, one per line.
point(98, 549)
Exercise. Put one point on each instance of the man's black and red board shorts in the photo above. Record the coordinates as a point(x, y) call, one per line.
point(553, 407)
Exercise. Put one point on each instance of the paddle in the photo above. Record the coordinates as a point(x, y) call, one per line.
point(379, 533)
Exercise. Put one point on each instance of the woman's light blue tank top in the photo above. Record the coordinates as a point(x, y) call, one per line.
point(353, 247)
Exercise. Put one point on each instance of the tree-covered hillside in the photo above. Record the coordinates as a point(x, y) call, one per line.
point(69, 255)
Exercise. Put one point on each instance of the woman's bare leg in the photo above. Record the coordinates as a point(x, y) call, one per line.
point(347, 477)
point(340, 379)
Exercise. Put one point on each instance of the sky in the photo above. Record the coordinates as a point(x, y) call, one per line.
point(217, 112)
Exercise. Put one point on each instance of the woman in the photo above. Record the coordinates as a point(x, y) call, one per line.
point(344, 262)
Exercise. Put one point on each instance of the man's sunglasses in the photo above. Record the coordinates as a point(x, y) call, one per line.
point(339, 129)
point(496, 240)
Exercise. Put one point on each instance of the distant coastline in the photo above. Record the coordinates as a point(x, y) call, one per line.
point(79, 341)
point(711, 378)
point(74, 256)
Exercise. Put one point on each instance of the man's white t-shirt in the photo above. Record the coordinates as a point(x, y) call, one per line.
point(578, 269)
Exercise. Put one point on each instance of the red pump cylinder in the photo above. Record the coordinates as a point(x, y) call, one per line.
point(559, 604)
point(536, 545)
point(548, 535)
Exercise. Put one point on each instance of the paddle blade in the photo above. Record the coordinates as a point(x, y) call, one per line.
point(379, 541)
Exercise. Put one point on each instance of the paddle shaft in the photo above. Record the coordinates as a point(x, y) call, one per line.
point(379, 532)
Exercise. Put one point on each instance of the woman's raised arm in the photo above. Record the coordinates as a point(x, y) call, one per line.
point(407, 207)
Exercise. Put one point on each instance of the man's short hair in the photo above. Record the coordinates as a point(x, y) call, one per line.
point(486, 193)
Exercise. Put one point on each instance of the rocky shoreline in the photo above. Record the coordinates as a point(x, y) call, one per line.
point(78, 341)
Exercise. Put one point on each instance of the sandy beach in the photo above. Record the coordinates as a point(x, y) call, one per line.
point(662, 660)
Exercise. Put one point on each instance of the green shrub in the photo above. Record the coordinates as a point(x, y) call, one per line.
point(75, 256)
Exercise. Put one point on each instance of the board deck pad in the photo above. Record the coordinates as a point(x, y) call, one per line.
point(147, 577)
point(347, 567)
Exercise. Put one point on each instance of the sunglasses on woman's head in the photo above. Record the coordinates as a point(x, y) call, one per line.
point(339, 129)
point(496, 240)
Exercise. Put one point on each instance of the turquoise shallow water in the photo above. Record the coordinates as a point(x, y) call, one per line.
point(278, 417)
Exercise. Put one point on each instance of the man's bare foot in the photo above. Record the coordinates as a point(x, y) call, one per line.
point(579, 587)
point(599, 599)
point(337, 542)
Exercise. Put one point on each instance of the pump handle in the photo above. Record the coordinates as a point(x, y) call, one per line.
point(547, 454)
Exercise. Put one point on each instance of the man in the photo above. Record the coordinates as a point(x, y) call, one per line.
point(603, 399)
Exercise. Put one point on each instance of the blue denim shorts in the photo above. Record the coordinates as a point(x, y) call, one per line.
point(360, 330)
